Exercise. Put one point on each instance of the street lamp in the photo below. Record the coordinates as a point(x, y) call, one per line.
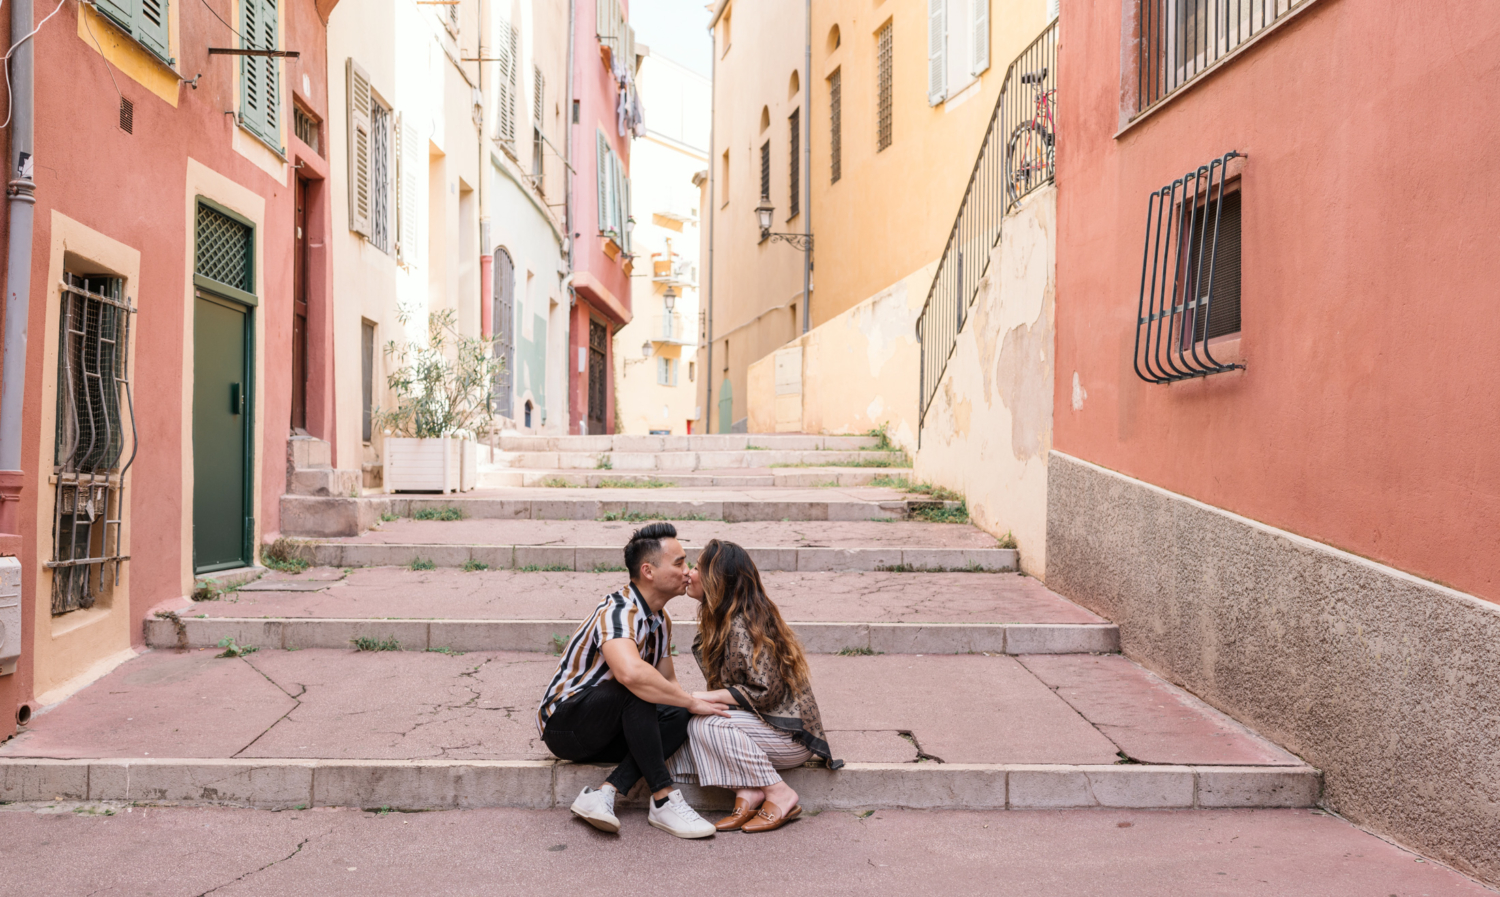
point(763, 214)
point(645, 354)
point(669, 299)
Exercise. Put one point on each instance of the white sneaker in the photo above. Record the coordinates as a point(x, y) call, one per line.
point(597, 808)
point(677, 817)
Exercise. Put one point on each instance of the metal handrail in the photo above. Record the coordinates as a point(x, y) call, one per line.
point(1015, 158)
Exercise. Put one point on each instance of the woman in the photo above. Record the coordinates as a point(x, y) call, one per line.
point(754, 665)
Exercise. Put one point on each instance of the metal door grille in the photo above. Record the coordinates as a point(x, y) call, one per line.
point(597, 338)
point(883, 69)
point(224, 250)
point(92, 373)
point(836, 125)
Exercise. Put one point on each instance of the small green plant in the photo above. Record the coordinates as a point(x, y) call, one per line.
point(971, 567)
point(859, 652)
point(643, 516)
point(605, 462)
point(882, 435)
point(557, 483)
point(888, 482)
point(616, 483)
point(387, 516)
point(559, 644)
point(366, 643)
point(828, 484)
point(231, 649)
point(609, 568)
point(546, 568)
point(423, 564)
point(206, 591)
point(445, 650)
point(943, 513)
point(441, 384)
point(94, 811)
point(472, 566)
point(897, 459)
point(448, 512)
point(1008, 540)
point(284, 556)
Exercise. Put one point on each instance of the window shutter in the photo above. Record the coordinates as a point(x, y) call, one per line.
point(150, 26)
point(359, 148)
point(119, 11)
point(402, 209)
point(602, 175)
point(260, 81)
point(937, 51)
point(410, 161)
point(981, 54)
point(510, 64)
point(1053, 9)
point(624, 204)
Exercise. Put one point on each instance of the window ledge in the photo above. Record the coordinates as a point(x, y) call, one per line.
point(1217, 66)
point(279, 151)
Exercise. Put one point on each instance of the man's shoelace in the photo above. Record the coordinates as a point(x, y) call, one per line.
point(685, 811)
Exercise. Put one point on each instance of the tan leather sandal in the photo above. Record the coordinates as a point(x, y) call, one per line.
point(742, 814)
point(770, 817)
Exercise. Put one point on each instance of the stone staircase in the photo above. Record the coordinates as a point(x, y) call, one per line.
point(403, 669)
point(310, 470)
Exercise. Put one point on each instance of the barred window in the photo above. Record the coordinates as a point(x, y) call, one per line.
point(794, 168)
point(835, 126)
point(1180, 39)
point(884, 87)
point(306, 127)
point(765, 170)
point(380, 176)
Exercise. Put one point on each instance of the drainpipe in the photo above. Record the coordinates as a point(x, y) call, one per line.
point(18, 268)
point(569, 238)
point(486, 261)
point(807, 89)
point(712, 210)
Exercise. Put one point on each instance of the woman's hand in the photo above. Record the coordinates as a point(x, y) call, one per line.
point(721, 696)
point(699, 707)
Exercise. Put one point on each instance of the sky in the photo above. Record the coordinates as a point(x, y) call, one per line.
point(676, 29)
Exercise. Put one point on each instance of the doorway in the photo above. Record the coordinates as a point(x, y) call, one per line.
point(299, 313)
point(222, 403)
point(598, 337)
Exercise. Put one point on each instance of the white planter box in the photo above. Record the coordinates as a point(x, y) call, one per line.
point(446, 464)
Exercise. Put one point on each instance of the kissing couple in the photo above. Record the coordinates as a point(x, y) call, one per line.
point(616, 699)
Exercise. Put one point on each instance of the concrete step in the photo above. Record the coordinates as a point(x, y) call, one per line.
point(706, 443)
point(493, 477)
point(424, 730)
point(542, 635)
point(692, 461)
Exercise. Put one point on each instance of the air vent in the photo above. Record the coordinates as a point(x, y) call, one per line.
point(127, 116)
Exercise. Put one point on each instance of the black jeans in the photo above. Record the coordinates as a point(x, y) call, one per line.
point(609, 724)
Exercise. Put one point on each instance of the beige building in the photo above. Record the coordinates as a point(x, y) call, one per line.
point(655, 355)
point(755, 285)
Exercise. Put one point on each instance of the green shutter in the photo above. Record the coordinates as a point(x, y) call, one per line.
point(603, 172)
point(144, 20)
point(120, 11)
point(260, 81)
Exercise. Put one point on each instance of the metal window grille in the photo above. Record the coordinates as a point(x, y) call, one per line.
point(367, 379)
point(306, 128)
point(794, 169)
point(93, 379)
point(1015, 158)
point(225, 249)
point(765, 170)
point(884, 87)
point(1190, 276)
point(1177, 40)
point(835, 126)
point(380, 177)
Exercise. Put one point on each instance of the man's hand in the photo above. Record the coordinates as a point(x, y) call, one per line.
point(722, 696)
point(699, 707)
point(646, 681)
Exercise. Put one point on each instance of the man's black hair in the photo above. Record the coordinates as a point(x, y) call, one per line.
point(645, 546)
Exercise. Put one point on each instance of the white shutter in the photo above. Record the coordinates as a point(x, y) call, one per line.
point(937, 51)
point(624, 204)
point(406, 191)
point(602, 174)
point(505, 100)
point(1053, 8)
point(980, 60)
point(359, 148)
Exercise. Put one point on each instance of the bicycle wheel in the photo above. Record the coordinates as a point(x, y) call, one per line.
point(1028, 159)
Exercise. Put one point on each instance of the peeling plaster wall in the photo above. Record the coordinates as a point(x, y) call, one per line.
point(859, 370)
point(989, 429)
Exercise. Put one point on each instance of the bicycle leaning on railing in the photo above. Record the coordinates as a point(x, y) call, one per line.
point(1028, 151)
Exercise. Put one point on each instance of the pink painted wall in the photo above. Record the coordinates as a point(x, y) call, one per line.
point(1369, 417)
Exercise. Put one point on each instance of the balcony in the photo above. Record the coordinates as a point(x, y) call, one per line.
point(674, 271)
point(669, 328)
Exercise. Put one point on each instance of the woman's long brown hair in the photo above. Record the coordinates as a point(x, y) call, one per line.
point(732, 588)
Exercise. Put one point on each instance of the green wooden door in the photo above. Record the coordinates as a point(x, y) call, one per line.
point(221, 431)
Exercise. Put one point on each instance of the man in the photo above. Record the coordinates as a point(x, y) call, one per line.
point(615, 698)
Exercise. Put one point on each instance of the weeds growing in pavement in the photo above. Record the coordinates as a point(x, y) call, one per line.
point(387, 516)
point(365, 643)
point(546, 568)
point(206, 591)
point(942, 513)
point(447, 512)
point(609, 568)
point(471, 566)
point(1008, 540)
point(284, 556)
point(882, 436)
point(605, 462)
point(448, 651)
point(971, 567)
point(643, 516)
point(612, 483)
point(231, 649)
point(559, 644)
point(423, 564)
point(888, 482)
point(859, 652)
point(557, 483)
point(897, 459)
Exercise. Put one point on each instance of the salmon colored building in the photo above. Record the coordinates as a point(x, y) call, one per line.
point(169, 334)
point(1277, 452)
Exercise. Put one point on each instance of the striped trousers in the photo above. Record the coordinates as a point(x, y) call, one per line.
point(738, 752)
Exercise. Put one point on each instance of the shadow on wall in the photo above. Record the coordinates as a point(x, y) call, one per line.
point(989, 429)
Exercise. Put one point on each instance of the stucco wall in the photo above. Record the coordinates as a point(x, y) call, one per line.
point(989, 428)
point(1384, 681)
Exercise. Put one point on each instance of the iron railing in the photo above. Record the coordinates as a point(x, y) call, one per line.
point(1174, 321)
point(1179, 39)
point(1015, 158)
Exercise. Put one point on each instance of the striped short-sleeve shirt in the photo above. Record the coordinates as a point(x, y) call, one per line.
point(622, 614)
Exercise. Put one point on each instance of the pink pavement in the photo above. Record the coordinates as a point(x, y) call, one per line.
point(480, 706)
point(693, 533)
point(446, 593)
point(72, 850)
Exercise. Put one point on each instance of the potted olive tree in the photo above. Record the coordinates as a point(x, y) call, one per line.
point(442, 404)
